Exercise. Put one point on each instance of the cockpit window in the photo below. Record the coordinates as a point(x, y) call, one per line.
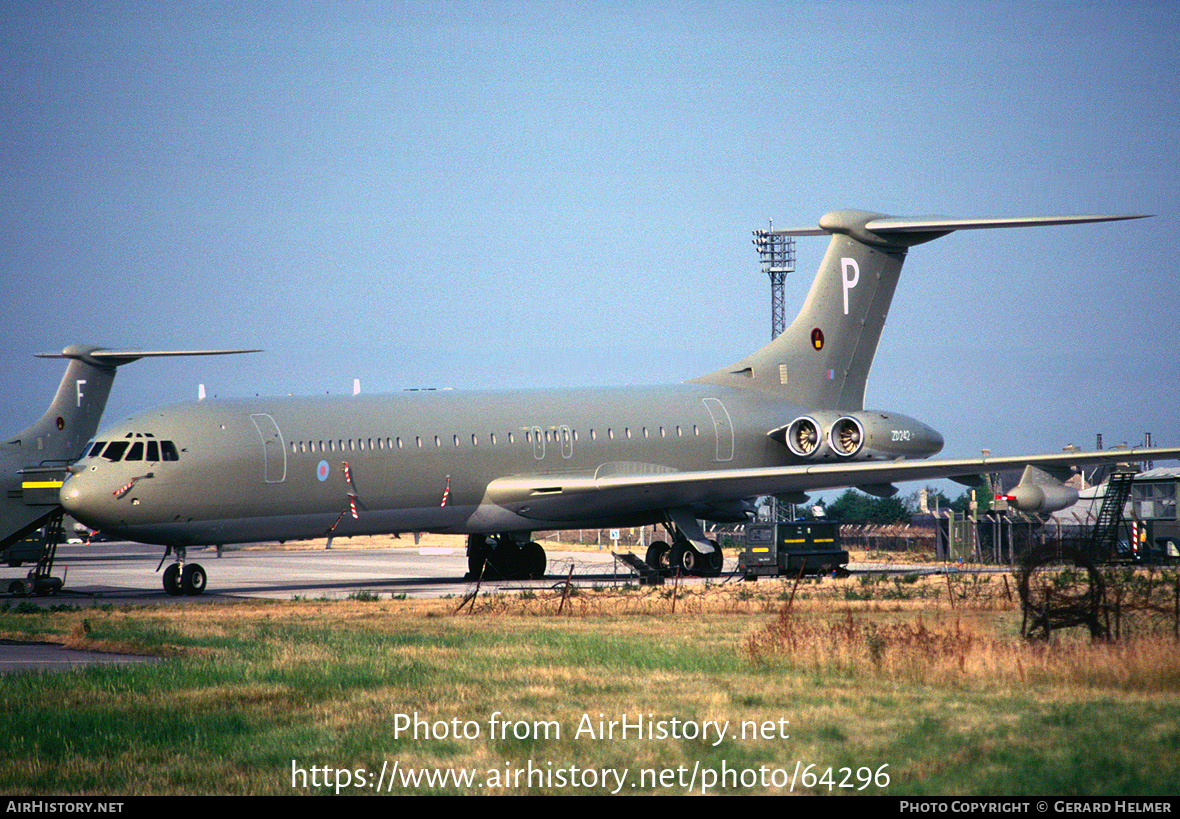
point(133, 450)
point(115, 450)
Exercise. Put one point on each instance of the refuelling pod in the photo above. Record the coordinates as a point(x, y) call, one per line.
point(1041, 492)
point(876, 435)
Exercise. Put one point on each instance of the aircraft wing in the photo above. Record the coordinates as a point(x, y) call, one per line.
point(622, 488)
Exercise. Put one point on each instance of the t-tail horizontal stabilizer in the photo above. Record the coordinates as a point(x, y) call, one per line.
point(822, 360)
point(114, 358)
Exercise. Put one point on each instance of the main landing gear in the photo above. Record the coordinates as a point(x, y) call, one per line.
point(504, 557)
point(183, 578)
point(690, 552)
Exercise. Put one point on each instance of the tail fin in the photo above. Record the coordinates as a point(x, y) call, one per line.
point(73, 414)
point(76, 409)
point(33, 462)
point(823, 359)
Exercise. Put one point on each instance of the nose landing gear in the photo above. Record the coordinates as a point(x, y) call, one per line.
point(183, 578)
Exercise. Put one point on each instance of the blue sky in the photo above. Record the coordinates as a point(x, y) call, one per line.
point(485, 195)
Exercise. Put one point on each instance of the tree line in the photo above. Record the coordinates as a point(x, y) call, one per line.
point(856, 507)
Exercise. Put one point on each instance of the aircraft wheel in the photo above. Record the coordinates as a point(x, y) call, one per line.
point(509, 559)
point(47, 586)
point(172, 580)
point(714, 561)
point(477, 555)
point(686, 559)
point(658, 556)
point(17, 587)
point(533, 560)
point(501, 560)
point(194, 579)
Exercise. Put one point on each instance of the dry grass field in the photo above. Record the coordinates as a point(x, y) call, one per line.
point(903, 685)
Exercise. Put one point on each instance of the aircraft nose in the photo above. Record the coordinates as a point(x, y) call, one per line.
point(70, 494)
point(79, 498)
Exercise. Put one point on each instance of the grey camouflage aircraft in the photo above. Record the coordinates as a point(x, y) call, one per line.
point(498, 466)
point(33, 463)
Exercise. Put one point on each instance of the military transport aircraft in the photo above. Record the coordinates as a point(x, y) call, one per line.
point(497, 466)
point(33, 462)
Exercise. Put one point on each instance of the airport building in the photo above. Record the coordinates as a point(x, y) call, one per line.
point(1151, 530)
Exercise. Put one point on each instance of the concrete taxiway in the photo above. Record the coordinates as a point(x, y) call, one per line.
point(128, 572)
point(123, 573)
point(27, 656)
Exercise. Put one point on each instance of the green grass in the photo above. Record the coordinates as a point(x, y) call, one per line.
point(943, 701)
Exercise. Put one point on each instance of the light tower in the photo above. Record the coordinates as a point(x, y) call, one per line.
point(776, 251)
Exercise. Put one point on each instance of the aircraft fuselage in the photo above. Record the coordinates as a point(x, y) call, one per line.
point(289, 468)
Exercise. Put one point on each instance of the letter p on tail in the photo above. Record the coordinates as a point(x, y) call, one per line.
point(848, 266)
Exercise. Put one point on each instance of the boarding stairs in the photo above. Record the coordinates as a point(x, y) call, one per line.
point(1104, 539)
point(648, 575)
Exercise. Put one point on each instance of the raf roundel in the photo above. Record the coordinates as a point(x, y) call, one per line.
point(322, 471)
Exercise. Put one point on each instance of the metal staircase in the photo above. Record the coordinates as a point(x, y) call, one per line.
point(1104, 539)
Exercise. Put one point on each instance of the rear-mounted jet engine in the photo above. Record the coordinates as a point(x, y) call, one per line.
point(866, 435)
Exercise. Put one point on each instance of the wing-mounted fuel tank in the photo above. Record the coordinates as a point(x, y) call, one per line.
point(864, 435)
point(1042, 491)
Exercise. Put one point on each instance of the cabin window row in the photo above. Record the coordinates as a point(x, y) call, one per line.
point(531, 437)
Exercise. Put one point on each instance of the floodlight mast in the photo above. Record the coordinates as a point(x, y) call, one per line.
point(776, 251)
